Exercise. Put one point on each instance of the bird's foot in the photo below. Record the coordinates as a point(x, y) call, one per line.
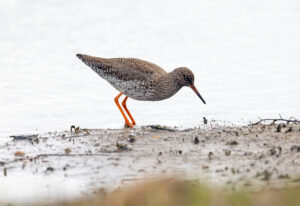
point(128, 125)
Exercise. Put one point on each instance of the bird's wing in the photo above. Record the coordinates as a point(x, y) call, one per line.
point(125, 69)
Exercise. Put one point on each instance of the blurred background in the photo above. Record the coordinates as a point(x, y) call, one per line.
point(244, 54)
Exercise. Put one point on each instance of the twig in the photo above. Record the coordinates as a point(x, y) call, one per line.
point(158, 127)
point(290, 120)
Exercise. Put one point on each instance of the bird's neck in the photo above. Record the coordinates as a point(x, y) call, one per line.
point(170, 83)
point(175, 79)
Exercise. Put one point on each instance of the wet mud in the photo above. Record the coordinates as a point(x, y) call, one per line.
point(237, 156)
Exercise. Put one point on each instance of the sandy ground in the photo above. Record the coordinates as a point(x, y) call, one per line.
point(85, 160)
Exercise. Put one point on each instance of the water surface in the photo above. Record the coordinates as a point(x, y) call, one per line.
point(245, 56)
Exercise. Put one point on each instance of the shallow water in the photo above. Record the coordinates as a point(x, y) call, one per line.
point(245, 56)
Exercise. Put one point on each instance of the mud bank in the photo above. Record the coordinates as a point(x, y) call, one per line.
point(68, 164)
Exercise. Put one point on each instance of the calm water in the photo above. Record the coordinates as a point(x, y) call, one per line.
point(245, 56)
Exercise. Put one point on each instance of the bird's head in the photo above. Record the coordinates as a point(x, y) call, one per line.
point(186, 78)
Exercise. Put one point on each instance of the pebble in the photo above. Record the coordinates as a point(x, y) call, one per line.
point(19, 154)
point(227, 152)
point(196, 140)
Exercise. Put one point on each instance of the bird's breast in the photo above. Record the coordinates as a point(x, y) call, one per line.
point(135, 89)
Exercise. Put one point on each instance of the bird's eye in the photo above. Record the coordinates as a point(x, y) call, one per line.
point(186, 78)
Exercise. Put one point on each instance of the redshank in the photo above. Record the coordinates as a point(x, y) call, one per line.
point(140, 80)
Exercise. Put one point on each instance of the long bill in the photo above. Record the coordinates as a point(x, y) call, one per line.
point(196, 91)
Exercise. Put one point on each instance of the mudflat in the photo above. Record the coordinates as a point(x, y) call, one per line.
point(251, 156)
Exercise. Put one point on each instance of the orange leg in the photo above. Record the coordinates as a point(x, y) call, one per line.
point(127, 123)
point(125, 107)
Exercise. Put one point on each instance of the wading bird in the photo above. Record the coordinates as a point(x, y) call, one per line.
point(140, 80)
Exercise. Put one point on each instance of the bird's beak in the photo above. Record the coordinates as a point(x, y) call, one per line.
point(196, 91)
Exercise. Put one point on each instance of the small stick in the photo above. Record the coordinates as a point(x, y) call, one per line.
point(290, 120)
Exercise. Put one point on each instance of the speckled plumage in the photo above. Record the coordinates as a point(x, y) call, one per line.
point(139, 79)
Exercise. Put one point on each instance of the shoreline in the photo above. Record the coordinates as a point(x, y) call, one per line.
point(189, 125)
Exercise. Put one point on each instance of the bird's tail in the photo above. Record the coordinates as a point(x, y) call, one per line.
point(96, 63)
point(88, 60)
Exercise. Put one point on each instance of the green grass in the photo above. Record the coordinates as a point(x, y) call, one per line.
point(172, 192)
